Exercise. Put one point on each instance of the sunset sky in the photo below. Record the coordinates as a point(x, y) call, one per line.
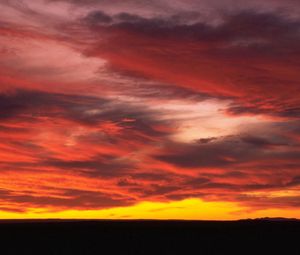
point(163, 109)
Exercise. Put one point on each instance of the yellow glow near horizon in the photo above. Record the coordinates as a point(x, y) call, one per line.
point(188, 209)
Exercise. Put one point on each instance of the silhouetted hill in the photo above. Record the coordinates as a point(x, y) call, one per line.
point(150, 237)
point(271, 219)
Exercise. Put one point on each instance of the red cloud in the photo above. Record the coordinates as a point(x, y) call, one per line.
point(250, 57)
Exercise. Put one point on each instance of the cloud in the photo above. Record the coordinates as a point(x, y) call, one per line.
point(106, 104)
point(241, 58)
point(69, 198)
point(98, 17)
point(109, 167)
point(224, 168)
point(86, 110)
point(228, 152)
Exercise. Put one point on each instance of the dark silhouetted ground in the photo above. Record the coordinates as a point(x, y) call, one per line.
point(263, 236)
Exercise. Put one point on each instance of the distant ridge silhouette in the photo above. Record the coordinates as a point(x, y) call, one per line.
point(271, 219)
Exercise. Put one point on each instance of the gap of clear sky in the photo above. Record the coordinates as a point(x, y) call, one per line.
point(157, 109)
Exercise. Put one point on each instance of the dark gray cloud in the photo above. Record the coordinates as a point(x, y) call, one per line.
point(80, 199)
point(282, 110)
point(247, 25)
point(86, 110)
point(104, 167)
point(98, 17)
point(228, 152)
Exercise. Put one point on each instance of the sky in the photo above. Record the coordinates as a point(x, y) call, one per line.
point(155, 109)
